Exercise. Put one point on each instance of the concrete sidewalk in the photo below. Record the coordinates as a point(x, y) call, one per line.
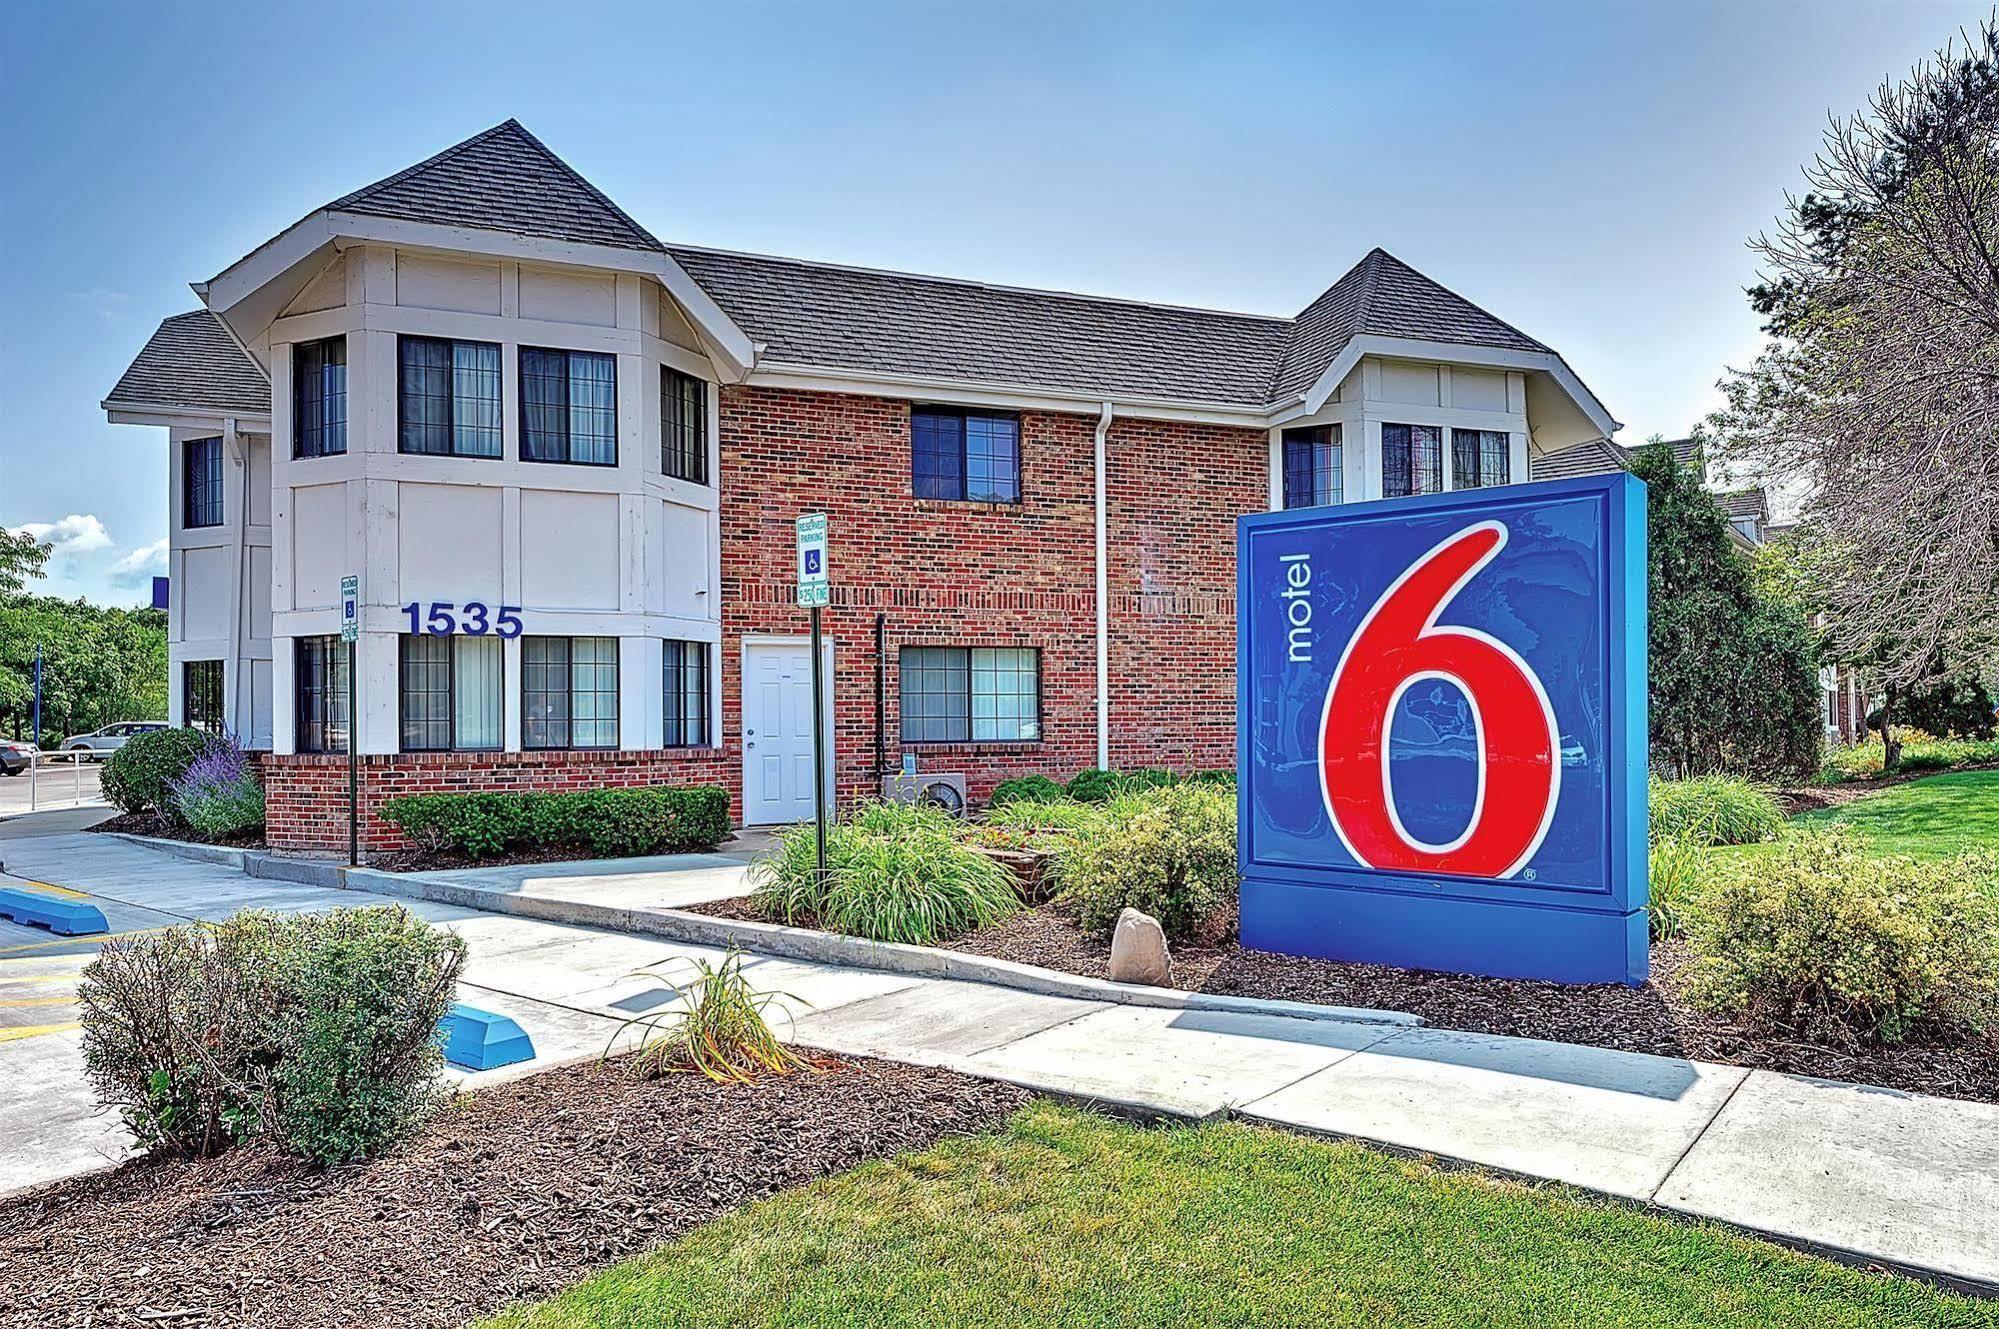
point(1874, 1174)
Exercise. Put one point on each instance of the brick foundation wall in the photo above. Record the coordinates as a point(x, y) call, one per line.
point(305, 795)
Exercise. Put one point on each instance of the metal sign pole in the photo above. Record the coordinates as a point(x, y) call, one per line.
point(818, 744)
point(353, 766)
point(814, 591)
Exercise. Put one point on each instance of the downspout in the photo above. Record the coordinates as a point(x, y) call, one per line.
point(1103, 599)
point(232, 705)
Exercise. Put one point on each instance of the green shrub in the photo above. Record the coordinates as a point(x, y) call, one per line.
point(1678, 868)
point(1920, 752)
point(892, 874)
point(1028, 789)
point(140, 776)
point(1824, 941)
point(605, 823)
point(176, 1031)
point(1713, 809)
point(1137, 782)
point(1170, 852)
point(359, 994)
point(1067, 815)
point(318, 1031)
point(1226, 779)
point(1095, 786)
point(219, 794)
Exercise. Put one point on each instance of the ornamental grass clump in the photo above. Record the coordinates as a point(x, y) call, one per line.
point(1713, 810)
point(893, 873)
point(1678, 868)
point(219, 794)
point(1170, 852)
point(1822, 940)
point(718, 1030)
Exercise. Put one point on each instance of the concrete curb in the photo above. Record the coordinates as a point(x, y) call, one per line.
point(763, 938)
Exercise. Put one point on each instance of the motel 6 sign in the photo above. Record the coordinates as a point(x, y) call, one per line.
point(1441, 731)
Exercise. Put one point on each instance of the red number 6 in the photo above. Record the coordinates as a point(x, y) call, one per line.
point(1399, 644)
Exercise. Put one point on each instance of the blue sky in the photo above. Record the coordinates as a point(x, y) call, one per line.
point(1587, 171)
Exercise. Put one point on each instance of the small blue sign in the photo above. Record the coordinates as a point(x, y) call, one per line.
point(1441, 731)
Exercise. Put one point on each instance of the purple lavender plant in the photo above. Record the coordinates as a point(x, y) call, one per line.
point(219, 794)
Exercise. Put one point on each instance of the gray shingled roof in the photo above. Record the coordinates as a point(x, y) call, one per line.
point(900, 323)
point(505, 179)
point(1739, 503)
point(193, 363)
point(1385, 297)
point(1599, 456)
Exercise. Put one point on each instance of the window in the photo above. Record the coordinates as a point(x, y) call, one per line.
point(320, 667)
point(970, 455)
point(1312, 459)
point(1480, 458)
point(450, 695)
point(569, 407)
point(319, 398)
point(686, 695)
point(448, 397)
point(201, 695)
point(1412, 460)
point(951, 694)
point(201, 483)
point(569, 690)
point(683, 426)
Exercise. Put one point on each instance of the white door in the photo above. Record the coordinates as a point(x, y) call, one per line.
point(777, 732)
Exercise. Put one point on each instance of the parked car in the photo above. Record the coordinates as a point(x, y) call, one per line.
point(103, 742)
point(15, 756)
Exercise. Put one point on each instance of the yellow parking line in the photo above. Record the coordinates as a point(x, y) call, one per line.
point(77, 941)
point(37, 1030)
point(15, 1003)
point(53, 889)
point(7, 978)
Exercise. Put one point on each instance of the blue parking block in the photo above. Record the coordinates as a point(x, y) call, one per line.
point(64, 917)
point(480, 1040)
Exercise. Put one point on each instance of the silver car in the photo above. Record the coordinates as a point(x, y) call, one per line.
point(103, 742)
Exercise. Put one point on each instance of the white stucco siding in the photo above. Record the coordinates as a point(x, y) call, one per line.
point(621, 551)
point(1380, 391)
point(217, 607)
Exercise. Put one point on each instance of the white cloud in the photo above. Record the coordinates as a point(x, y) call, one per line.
point(78, 533)
point(141, 565)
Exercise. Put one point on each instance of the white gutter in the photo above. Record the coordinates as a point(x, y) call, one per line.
point(1103, 600)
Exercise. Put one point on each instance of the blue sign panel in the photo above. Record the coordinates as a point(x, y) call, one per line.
point(1441, 731)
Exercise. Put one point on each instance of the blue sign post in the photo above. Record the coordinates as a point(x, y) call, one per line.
point(1441, 731)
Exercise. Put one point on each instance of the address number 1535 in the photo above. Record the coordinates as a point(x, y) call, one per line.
point(443, 618)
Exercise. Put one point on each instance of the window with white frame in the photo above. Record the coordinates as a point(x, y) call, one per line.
point(319, 668)
point(569, 692)
point(1312, 463)
point(451, 693)
point(319, 398)
point(686, 695)
point(569, 407)
point(956, 694)
point(1412, 460)
point(448, 397)
point(1480, 458)
point(683, 426)
point(201, 483)
point(960, 454)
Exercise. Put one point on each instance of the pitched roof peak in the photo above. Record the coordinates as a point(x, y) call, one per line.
point(501, 179)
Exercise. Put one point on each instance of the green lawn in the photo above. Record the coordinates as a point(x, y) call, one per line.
point(1067, 1218)
point(1930, 818)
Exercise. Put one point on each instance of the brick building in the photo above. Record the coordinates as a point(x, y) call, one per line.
point(563, 460)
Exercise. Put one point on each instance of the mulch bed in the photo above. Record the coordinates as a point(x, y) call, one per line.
point(153, 824)
point(1655, 1018)
point(510, 1194)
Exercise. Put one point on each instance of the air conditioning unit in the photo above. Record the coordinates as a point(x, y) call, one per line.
point(946, 791)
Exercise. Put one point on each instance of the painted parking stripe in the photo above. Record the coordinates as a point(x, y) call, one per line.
point(79, 941)
point(16, 1003)
point(68, 893)
point(37, 1030)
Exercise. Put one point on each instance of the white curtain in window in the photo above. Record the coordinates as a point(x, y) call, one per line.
point(476, 692)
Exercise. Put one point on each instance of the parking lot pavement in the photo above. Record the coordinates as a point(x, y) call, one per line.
point(575, 990)
point(61, 784)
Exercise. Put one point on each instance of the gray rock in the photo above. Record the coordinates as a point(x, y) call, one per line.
point(1138, 951)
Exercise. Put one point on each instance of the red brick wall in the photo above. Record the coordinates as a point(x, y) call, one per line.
point(956, 574)
point(305, 795)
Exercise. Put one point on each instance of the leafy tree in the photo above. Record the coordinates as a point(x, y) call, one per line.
point(1880, 390)
point(1949, 707)
point(98, 665)
point(1733, 662)
point(22, 557)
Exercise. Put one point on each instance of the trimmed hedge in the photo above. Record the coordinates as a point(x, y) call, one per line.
point(140, 776)
point(604, 823)
point(1028, 789)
